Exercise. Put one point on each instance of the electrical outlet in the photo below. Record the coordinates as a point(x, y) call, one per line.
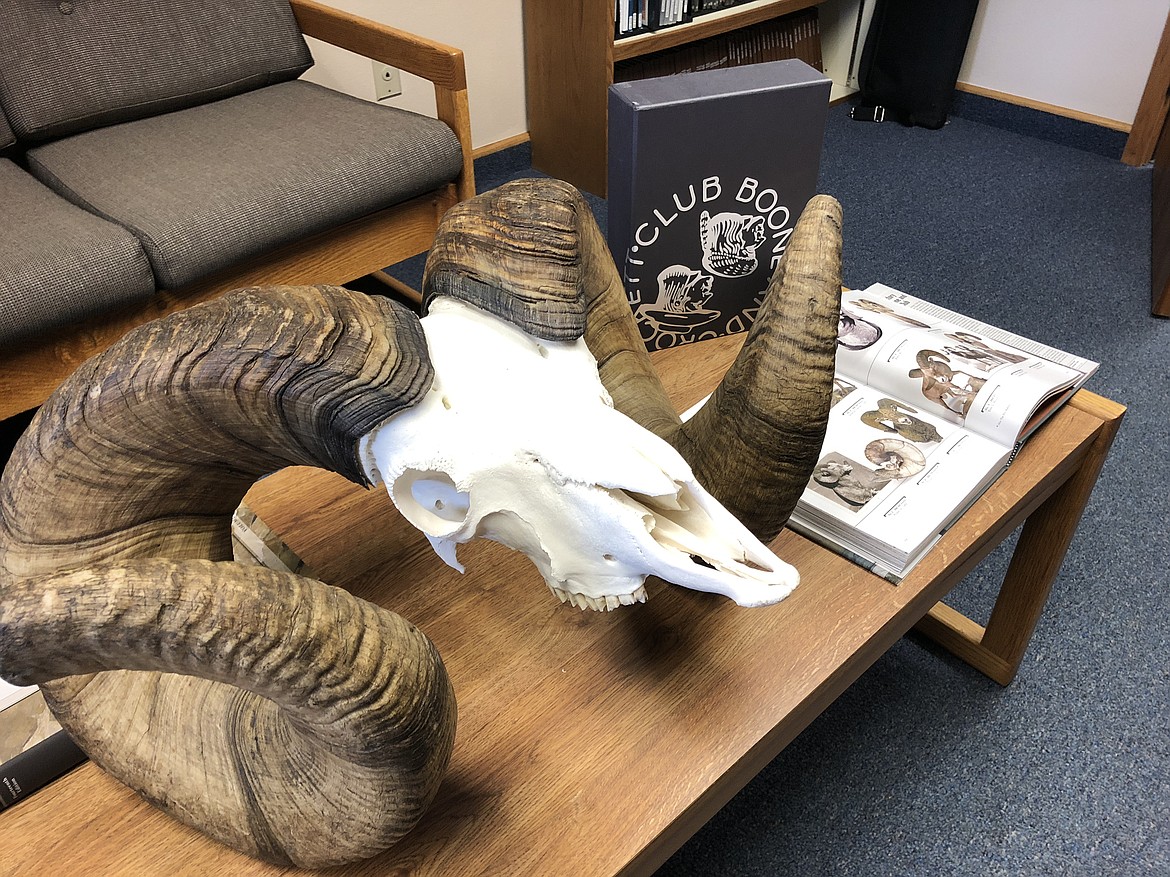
point(387, 81)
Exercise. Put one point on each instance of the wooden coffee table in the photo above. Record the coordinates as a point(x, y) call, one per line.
point(591, 743)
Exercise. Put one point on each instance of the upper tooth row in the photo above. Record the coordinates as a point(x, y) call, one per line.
point(603, 603)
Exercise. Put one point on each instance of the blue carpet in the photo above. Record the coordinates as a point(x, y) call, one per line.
point(925, 767)
point(1040, 125)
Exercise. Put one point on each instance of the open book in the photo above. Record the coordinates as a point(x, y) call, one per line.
point(929, 407)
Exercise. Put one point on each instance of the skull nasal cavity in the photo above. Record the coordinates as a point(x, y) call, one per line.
point(431, 501)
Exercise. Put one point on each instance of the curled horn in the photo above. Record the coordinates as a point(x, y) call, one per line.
point(263, 708)
point(531, 251)
point(758, 437)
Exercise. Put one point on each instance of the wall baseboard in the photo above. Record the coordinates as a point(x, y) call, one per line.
point(1015, 100)
point(1029, 103)
point(500, 145)
point(848, 93)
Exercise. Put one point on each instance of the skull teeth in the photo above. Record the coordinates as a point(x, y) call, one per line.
point(600, 604)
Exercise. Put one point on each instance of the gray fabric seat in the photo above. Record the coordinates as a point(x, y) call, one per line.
point(7, 138)
point(205, 187)
point(183, 134)
point(60, 264)
point(129, 59)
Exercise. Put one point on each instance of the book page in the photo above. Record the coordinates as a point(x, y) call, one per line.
point(938, 314)
point(918, 355)
point(890, 476)
point(24, 722)
point(10, 694)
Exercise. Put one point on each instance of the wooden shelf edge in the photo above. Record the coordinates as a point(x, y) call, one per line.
point(709, 25)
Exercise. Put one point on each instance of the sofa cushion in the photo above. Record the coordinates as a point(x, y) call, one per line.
point(209, 186)
point(6, 136)
point(59, 264)
point(71, 66)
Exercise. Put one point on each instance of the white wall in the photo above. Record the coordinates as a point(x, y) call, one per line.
point(491, 35)
point(1090, 57)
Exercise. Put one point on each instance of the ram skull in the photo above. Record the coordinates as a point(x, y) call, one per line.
point(265, 708)
point(517, 441)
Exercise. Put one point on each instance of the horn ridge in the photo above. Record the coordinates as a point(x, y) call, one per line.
point(757, 439)
point(531, 252)
point(612, 336)
point(514, 252)
point(332, 662)
point(310, 708)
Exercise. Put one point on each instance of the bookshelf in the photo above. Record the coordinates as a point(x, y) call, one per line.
point(570, 54)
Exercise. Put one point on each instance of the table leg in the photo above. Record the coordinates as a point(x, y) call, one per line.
point(998, 649)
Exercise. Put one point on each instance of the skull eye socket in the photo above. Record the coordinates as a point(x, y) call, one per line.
point(431, 501)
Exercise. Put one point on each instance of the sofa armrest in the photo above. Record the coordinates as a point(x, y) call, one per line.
point(440, 64)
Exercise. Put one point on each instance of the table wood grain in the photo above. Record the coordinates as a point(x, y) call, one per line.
point(588, 743)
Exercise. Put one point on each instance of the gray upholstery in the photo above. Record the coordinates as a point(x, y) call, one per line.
point(6, 136)
point(60, 264)
point(209, 186)
point(78, 64)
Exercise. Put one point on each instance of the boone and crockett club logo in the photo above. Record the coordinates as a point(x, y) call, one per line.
point(698, 267)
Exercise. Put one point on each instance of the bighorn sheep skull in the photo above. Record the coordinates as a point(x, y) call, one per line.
point(115, 548)
point(517, 441)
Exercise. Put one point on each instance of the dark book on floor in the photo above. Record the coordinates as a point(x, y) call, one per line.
point(34, 749)
point(708, 174)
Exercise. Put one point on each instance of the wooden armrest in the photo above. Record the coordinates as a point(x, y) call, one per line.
point(438, 63)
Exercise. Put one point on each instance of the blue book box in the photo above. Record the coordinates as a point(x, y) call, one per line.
point(708, 173)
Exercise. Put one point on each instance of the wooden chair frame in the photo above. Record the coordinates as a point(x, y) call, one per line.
point(30, 372)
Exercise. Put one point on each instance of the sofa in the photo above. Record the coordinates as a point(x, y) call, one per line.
point(157, 155)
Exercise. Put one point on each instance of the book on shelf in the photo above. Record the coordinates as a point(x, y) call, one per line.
point(928, 408)
point(795, 35)
point(668, 13)
point(631, 17)
point(702, 7)
point(34, 749)
point(638, 16)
